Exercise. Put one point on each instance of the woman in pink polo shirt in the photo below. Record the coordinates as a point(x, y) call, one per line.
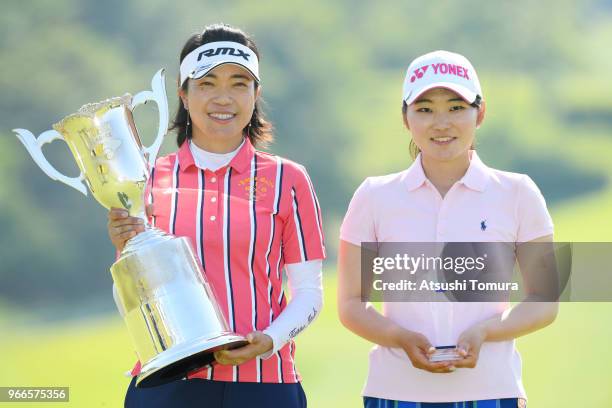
point(447, 195)
point(248, 214)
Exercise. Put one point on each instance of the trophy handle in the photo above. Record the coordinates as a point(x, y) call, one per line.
point(34, 147)
point(158, 95)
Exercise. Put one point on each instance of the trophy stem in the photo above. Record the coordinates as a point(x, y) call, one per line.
point(150, 236)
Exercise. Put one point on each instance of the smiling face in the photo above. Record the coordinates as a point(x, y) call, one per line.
point(443, 125)
point(220, 106)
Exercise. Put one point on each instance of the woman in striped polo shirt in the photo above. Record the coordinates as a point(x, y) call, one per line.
point(447, 195)
point(249, 214)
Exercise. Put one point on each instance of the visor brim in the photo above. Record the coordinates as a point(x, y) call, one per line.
point(466, 94)
point(203, 72)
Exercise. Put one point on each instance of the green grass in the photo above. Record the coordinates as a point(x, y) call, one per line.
point(586, 220)
point(90, 358)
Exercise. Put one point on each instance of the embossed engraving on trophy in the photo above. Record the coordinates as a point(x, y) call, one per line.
point(109, 144)
point(84, 136)
point(102, 148)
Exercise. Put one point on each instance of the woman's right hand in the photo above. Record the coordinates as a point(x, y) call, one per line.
point(122, 227)
point(419, 350)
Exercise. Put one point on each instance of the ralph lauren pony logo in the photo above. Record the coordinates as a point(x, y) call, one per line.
point(483, 225)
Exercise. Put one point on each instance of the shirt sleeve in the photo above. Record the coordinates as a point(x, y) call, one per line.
point(306, 290)
point(358, 224)
point(534, 220)
point(303, 230)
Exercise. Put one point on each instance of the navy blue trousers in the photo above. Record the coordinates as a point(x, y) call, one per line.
point(369, 402)
point(215, 394)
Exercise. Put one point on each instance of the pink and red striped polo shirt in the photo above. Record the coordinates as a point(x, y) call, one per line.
point(245, 221)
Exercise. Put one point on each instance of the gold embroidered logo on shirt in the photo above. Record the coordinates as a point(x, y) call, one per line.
point(261, 186)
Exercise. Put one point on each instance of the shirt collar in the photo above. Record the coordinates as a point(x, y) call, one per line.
point(185, 157)
point(476, 177)
point(240, 163)
point(414, 177)
point(478, 174)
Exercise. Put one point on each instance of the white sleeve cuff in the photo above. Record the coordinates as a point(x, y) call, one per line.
point(305, 284)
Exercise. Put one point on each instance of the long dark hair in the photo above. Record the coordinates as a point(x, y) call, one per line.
point(259, 130)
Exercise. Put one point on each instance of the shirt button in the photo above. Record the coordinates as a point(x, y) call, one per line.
point(213, 180)
point(214, 199)
point(212, 218)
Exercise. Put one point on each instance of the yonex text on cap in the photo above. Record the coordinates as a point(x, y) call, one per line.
point(203, 59)
point(441, 69)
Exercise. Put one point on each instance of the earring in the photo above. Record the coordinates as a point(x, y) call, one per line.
point(188, 123)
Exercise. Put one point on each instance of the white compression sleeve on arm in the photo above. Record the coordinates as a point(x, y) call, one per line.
point(305, 284)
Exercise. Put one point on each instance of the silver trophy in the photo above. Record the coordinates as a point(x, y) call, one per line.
point(170, 309)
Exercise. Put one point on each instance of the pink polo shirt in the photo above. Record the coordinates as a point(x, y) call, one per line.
point(406, 207)
point(245, 221)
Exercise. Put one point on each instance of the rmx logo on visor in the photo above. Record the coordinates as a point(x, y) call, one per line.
point(224, 51)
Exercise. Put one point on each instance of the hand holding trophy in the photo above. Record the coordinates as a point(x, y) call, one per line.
point(169, 308)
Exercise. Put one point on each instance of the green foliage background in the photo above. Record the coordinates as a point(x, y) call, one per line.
point(332, 75)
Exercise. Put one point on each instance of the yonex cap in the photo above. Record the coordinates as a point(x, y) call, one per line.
point(442, 69)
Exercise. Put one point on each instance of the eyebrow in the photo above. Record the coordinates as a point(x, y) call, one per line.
point(430, 101)
point(241, 76)
point(235, 76)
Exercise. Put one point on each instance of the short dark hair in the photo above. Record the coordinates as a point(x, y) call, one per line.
point(259, 130)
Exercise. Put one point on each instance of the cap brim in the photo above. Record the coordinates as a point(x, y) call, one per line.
point(203, 72)
point(466, 94)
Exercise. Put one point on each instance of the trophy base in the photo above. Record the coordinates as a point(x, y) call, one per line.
point(175, 363)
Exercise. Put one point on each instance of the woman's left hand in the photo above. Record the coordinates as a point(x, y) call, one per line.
point(259, 343)
point(469, 344)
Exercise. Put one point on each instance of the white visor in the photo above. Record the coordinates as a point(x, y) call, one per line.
point(203, 59)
